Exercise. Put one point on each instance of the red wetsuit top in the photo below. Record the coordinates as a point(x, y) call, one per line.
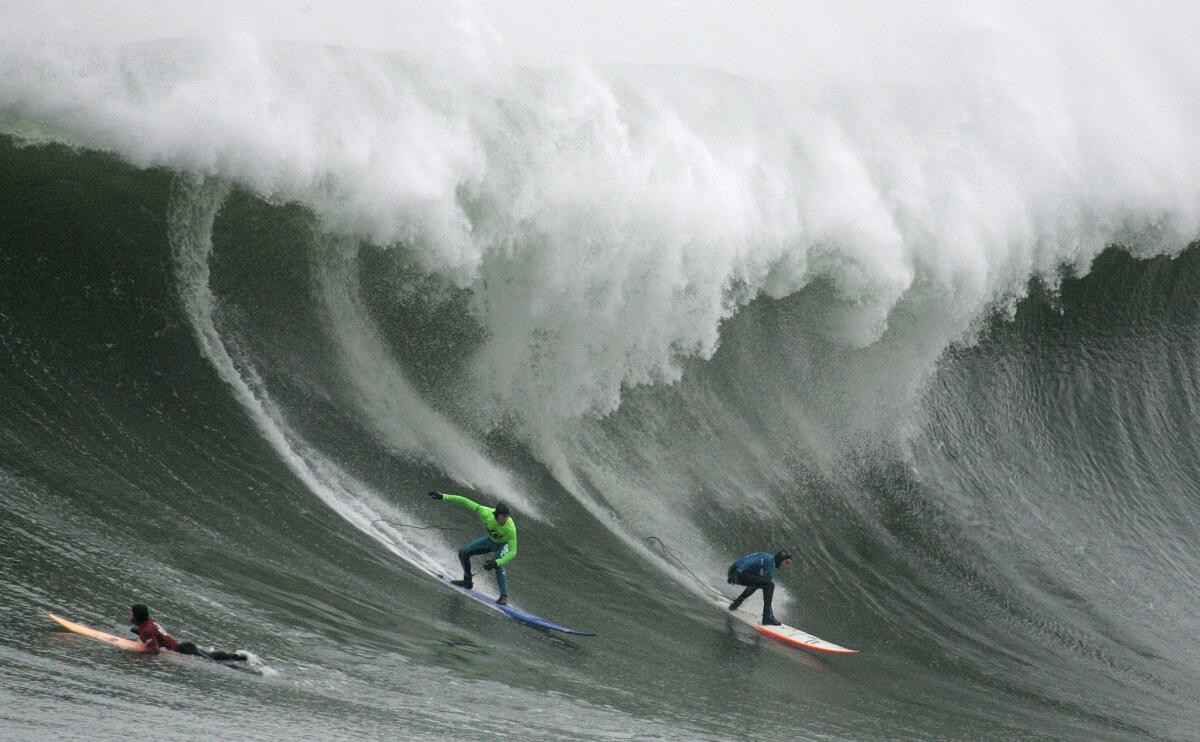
point(153, 636)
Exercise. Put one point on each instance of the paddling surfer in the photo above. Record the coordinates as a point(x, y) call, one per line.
point(152, 635)
point(501, 541)
point(757, 571)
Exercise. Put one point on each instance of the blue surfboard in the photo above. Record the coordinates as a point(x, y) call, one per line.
point(517, 613)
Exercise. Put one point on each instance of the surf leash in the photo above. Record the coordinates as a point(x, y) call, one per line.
point(678, 563)
point(398, 524)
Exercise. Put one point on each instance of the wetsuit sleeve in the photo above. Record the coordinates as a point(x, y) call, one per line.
point(512, 548)
point(469, 503)
point(149, 639)
point(768, 566)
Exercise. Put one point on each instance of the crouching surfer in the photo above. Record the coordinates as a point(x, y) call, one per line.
point(757, 571)
point(500, 541)
point(152, 635)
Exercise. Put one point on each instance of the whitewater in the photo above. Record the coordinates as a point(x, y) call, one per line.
point(911, 292)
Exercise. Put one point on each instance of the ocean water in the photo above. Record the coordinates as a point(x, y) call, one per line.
point(933, 328)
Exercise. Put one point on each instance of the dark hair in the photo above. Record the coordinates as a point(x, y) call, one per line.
point(139, 612)
point(781, 555)
point(501, 509)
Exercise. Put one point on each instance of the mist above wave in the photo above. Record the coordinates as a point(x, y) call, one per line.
point(609, 218)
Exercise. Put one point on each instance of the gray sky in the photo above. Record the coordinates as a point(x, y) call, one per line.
point(754, 37)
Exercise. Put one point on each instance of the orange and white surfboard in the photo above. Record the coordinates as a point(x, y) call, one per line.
point(790, 634)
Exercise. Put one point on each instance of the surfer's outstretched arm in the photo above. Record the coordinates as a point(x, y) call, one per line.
point(465, 501)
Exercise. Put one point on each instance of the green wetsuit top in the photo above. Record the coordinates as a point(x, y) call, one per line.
point(500, 534)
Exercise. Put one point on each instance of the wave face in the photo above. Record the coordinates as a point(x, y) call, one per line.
point(934, 331)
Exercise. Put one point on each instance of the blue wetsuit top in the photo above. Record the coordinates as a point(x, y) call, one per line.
point(760, 562)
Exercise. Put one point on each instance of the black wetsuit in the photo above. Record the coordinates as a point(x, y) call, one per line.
point(219, 655)
point(153, 636)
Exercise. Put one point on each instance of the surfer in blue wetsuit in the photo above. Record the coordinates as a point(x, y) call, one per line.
point(757, 571)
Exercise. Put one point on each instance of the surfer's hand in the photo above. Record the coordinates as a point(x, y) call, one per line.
point(489, 565)
point(435, 495)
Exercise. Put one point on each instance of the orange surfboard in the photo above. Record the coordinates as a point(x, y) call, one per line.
point(116, 641)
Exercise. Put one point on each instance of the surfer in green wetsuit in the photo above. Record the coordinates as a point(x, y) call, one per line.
point(501, 541)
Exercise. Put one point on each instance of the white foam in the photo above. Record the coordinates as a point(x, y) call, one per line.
point(609, 219)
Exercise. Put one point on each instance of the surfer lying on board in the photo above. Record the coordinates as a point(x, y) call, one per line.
point(501, 541)
point(153, 636)
point(756, 571)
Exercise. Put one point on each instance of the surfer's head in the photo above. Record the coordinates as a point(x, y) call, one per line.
point(782, 557)
point(138, 613)
point(501, 513)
